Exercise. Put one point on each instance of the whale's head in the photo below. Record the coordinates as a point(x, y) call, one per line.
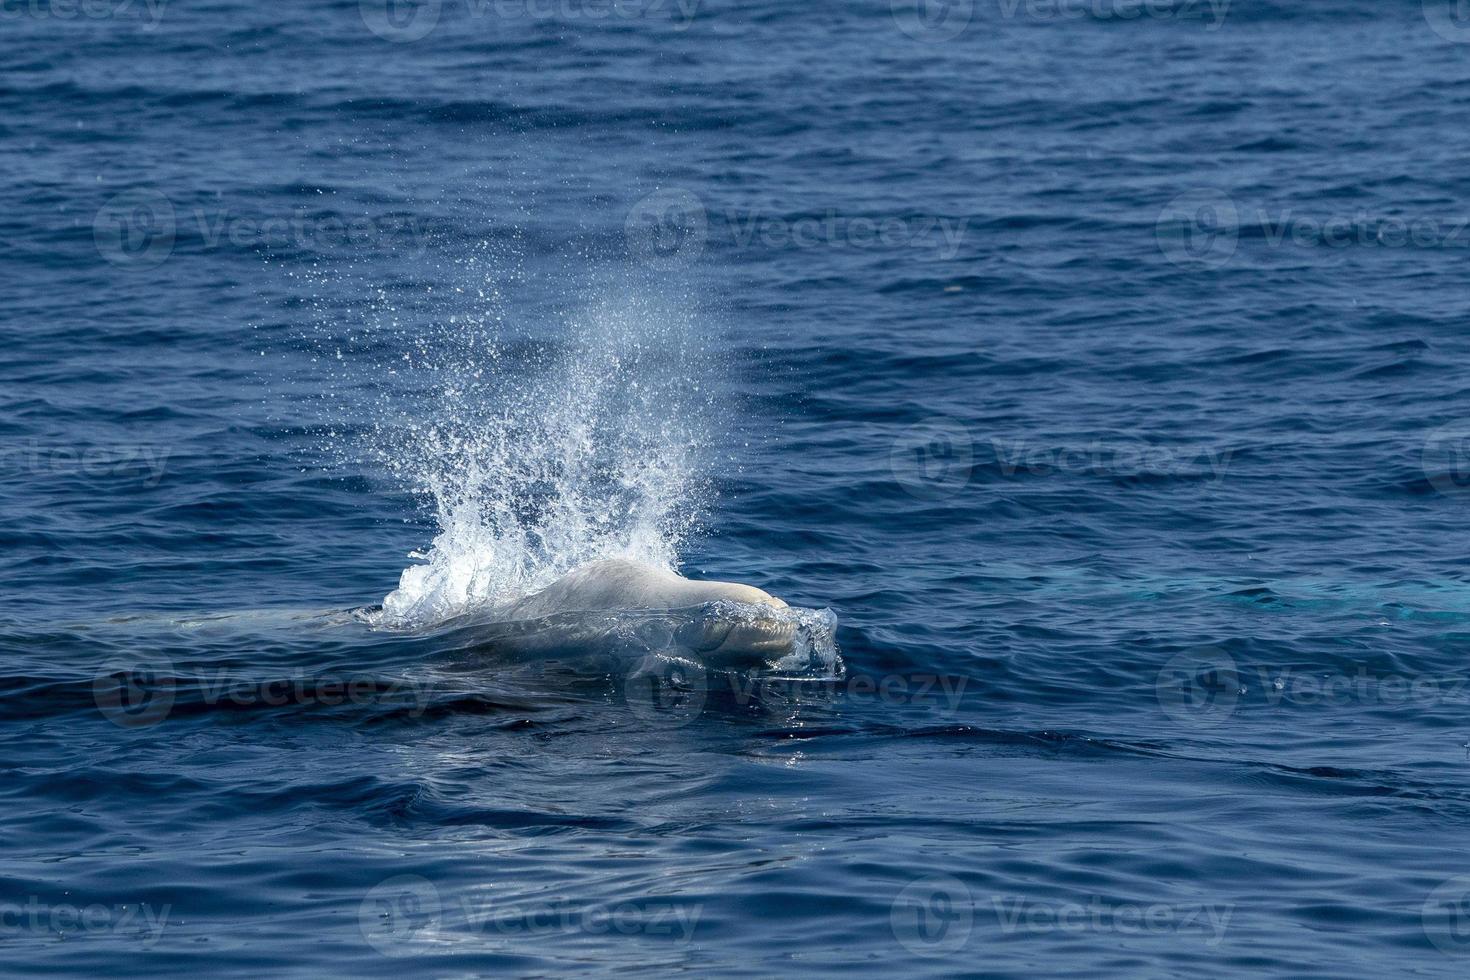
point(738, 624)
point(726, 624)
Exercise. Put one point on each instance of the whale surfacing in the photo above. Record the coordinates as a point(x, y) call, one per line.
point(632, 611)
point(730, 621)
point(619, 584)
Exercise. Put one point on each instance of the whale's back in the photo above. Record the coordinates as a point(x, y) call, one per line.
point(734, 624)
point(620, 585)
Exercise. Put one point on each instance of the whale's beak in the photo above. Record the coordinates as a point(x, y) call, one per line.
point(749, 642)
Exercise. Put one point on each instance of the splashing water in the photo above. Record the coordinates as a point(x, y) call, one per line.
point(539, 458)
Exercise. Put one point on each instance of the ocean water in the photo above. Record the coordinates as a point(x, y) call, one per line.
point(1097, 367)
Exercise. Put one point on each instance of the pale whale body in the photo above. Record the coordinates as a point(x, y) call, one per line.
point(720, 622)
point(626, 585)
point(636, 612)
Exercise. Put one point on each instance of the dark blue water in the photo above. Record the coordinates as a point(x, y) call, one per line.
point(1100, 365)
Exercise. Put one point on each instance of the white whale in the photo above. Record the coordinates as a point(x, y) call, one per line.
point(726, 621)
point(617, 583)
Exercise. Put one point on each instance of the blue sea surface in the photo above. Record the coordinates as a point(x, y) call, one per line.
point(1099, 364)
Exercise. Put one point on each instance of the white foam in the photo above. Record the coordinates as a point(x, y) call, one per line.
point(536, 463)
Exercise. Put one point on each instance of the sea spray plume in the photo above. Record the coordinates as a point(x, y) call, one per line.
point(539, 459)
